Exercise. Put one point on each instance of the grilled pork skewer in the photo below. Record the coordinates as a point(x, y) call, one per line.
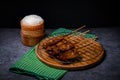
point(70, 54)
point(53, 40)
point(53, 50)
point(58, 48)
point(63, 47)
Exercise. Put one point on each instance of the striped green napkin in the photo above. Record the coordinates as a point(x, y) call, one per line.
point(29, 64)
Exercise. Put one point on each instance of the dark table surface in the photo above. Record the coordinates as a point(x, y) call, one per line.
point(11, 49)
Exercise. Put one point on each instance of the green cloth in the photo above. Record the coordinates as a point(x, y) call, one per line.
point(29, 64)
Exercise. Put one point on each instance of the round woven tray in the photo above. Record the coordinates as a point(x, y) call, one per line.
point(89, 59)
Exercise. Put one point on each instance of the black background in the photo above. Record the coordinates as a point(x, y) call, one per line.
point(103, 13)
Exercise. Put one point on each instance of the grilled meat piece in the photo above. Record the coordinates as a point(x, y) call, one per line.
point(64, 45)
point(50, 41)
point(68, 55)
point(53, 50)
point(61, 48)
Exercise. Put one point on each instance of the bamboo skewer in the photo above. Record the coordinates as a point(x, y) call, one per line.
point(85, 32)
point(80, 34)
point(76, 30)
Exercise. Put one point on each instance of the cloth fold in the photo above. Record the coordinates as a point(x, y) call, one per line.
point(29, 64)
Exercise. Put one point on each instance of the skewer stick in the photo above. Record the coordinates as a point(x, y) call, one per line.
point(83, 33)
point(70, 34)
point(76, 30)
point(86, 32)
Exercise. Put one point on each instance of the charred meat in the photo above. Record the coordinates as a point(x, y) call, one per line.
point(61, 48)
